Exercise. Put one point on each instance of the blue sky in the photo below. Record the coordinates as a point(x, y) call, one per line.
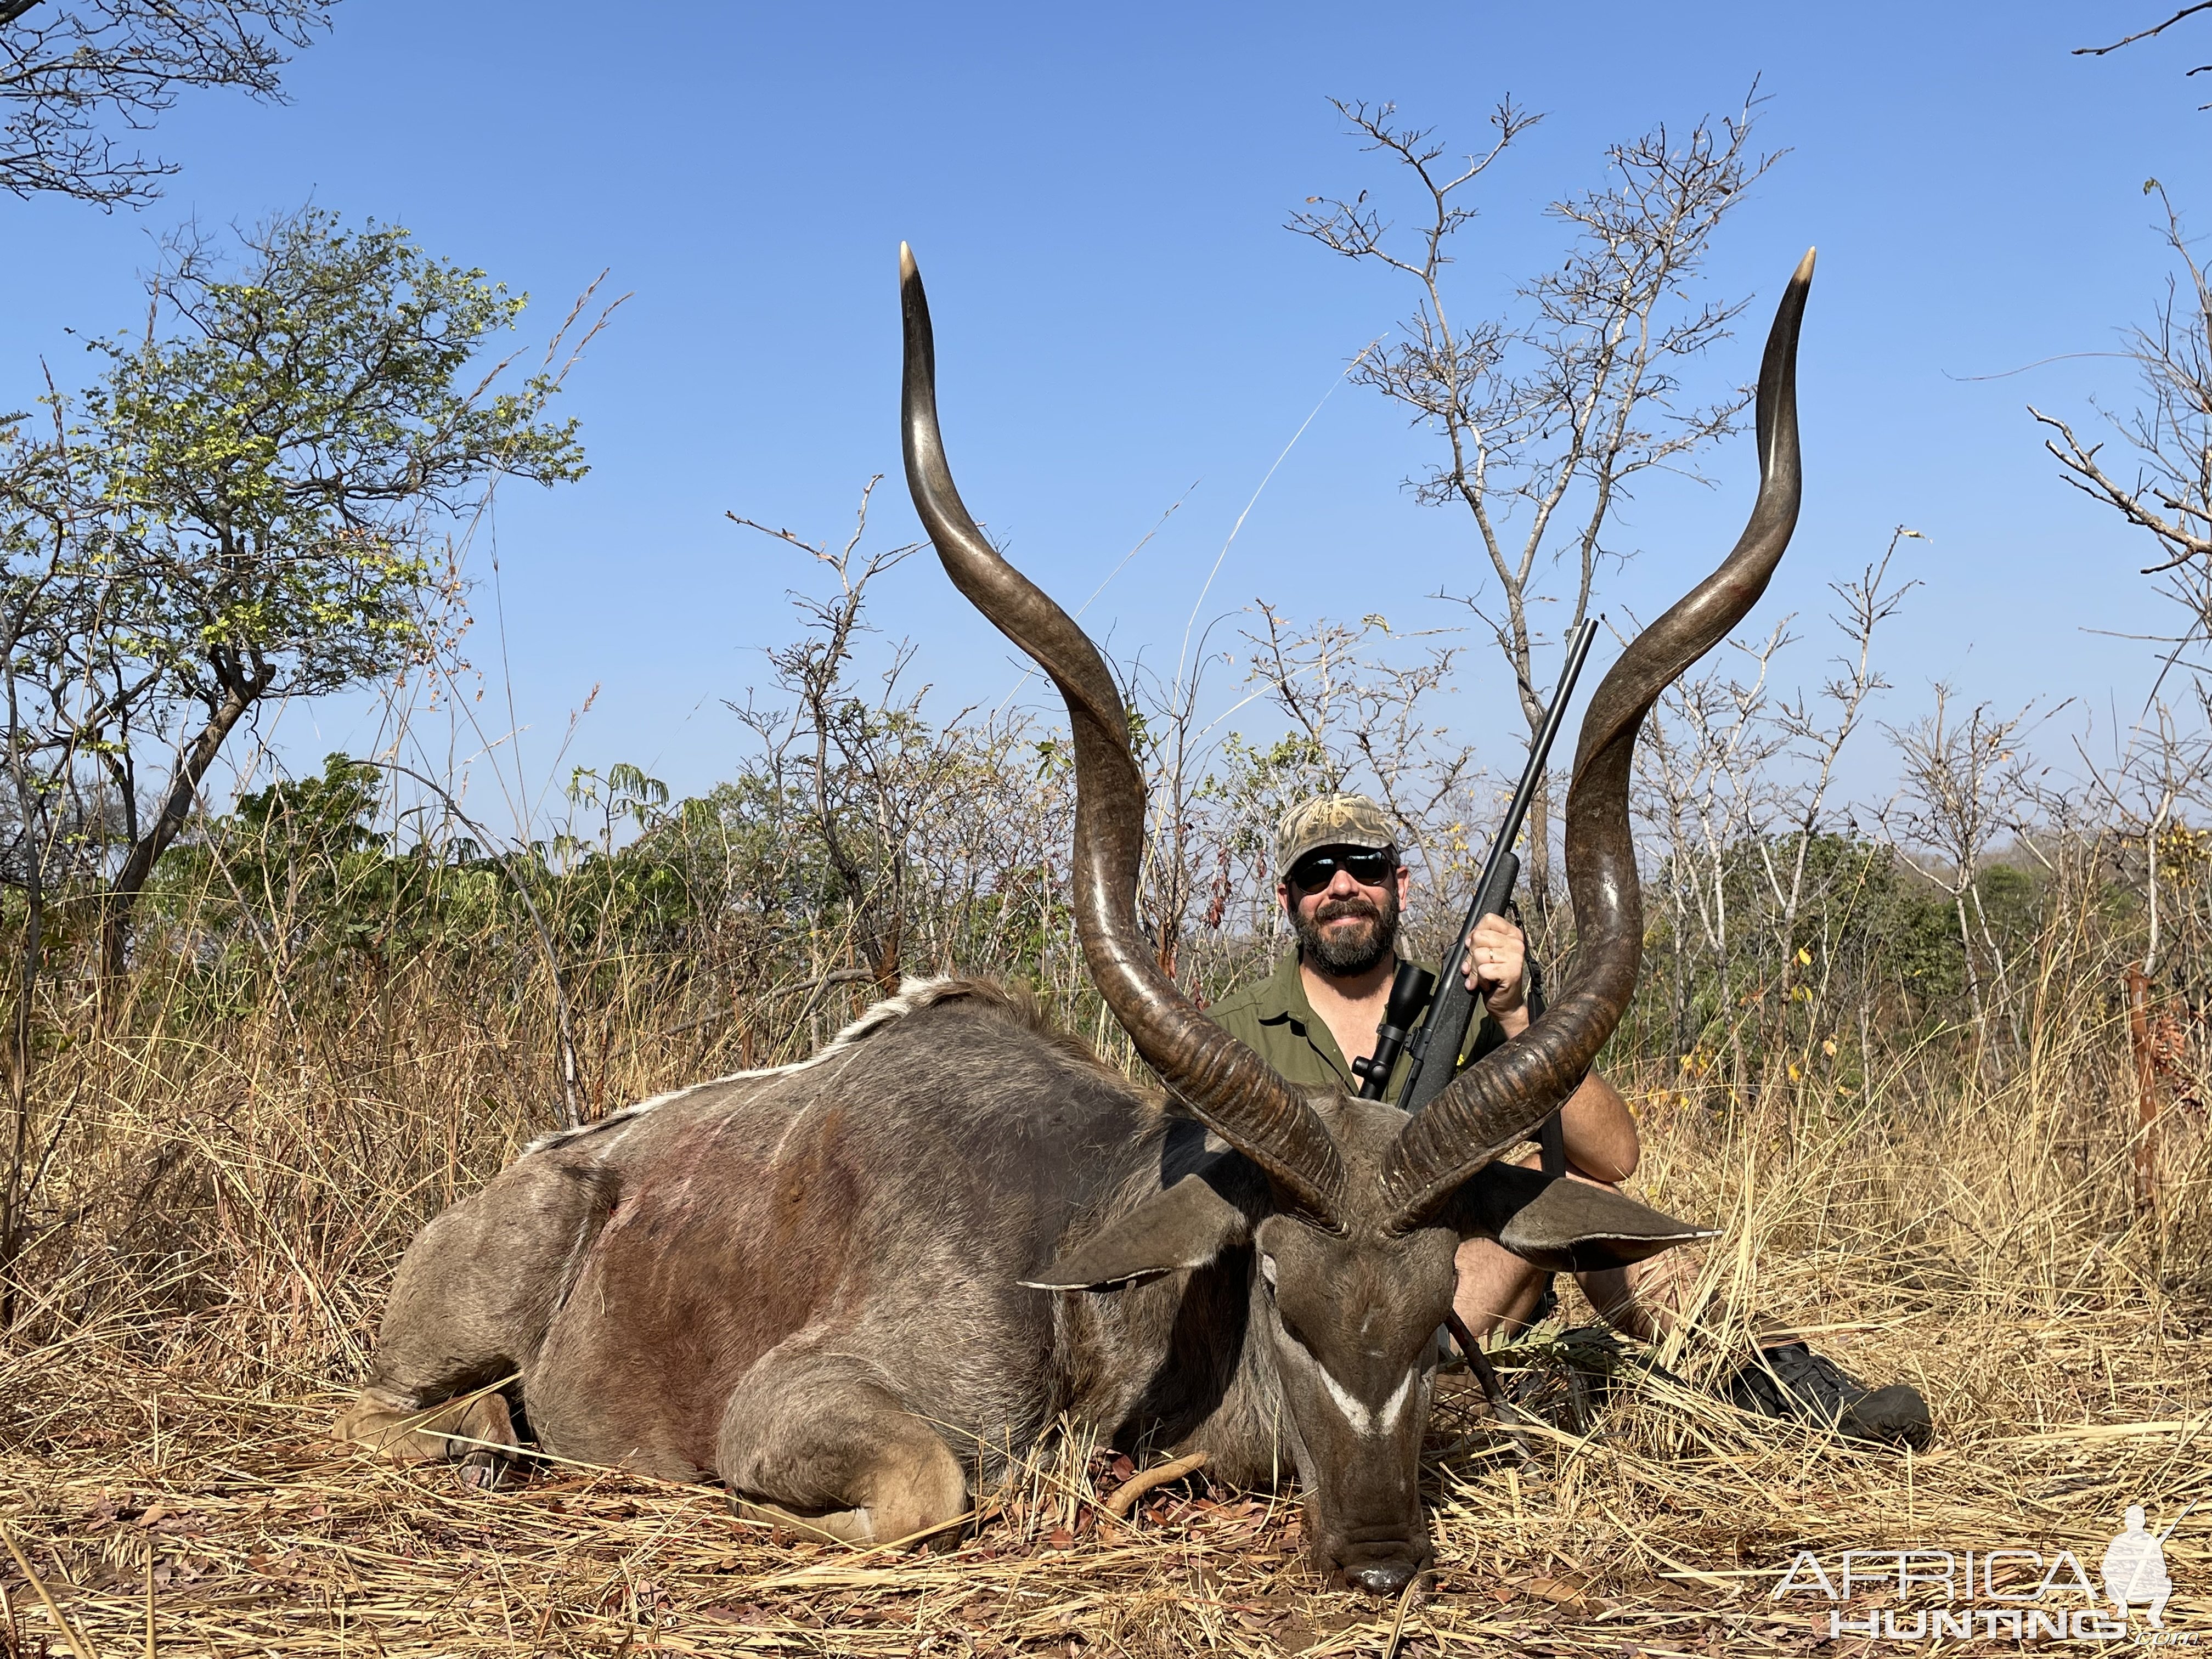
point(1097, 198)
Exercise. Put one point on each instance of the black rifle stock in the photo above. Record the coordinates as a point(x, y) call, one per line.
point(1433, 1056)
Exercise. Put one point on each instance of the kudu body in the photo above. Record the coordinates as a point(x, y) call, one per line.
point(853, 1288)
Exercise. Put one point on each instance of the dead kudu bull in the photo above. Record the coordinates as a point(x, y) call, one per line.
point(851, 1288)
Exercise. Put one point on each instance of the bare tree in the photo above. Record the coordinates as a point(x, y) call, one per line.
point(1361, 712)
point(870, 771)
point(1703, 766)
point(1817, 744)
point(1549, 416)
point(1736, 793)
point(67, 71)
point(1172, 747)
point(2170, 434)
point(1962, 782)
point(2138, 796)
point(1360, 699)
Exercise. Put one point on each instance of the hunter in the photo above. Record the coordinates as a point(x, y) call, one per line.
point(1343, 887)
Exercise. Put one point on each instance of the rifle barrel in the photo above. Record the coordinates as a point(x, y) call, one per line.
point(1452, 1013)
point(1540, 752)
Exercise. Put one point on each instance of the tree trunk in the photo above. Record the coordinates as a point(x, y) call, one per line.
point(241, 693)
point(2146, 1091)
point(889, 943)
point(16, 1193)
point(1974, 983)
point(1536, 867)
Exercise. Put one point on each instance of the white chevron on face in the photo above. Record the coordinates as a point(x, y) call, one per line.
point(1369, 1425)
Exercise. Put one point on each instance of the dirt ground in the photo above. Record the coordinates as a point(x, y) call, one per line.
point(155, 1515)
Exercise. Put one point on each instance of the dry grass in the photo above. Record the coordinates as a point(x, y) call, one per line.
point(235, 1207)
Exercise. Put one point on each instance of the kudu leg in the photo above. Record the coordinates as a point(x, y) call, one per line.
point(820, 1443)
point(468, 1312)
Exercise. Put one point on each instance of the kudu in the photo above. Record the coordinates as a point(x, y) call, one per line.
point(853, 1288)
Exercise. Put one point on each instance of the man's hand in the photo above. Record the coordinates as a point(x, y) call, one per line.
point(1496, 963)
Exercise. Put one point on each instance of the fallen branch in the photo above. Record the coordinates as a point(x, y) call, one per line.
point(1137, 1486)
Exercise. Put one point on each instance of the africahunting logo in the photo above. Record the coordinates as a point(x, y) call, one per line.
point(2019, 1594)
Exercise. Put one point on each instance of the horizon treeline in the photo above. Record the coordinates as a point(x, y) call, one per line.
point(1789, 936)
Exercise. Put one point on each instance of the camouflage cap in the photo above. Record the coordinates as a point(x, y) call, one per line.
point(1332, 821)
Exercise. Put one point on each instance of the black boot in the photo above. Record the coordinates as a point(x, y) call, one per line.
point(1792, 1381)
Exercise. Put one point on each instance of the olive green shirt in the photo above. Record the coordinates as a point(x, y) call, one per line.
point(1275, 1019)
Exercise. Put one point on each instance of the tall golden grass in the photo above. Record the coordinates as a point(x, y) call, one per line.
point(231, 1193)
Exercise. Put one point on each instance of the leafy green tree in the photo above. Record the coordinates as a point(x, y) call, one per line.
point(250, 506)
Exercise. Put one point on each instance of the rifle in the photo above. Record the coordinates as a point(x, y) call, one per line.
point(1409, 994)
point(1453, 1013)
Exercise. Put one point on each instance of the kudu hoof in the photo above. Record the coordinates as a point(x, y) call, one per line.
point(481, 1471)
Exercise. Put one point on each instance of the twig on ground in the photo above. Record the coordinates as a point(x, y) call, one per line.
point(1137, 1486)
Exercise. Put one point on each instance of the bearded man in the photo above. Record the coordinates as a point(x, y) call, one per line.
point(1342, 890)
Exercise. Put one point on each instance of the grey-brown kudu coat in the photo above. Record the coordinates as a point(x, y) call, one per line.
point(852, 1288)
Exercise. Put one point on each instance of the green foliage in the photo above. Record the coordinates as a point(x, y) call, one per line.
point(1874, 959)
point(264, 472)
point(297, 874)
point(248, 505)
point(309, 820)
point(1256, 785)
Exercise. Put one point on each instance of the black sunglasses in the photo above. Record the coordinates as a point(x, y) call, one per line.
point(1317, 870)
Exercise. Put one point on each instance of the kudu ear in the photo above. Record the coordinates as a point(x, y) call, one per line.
point(1186, 1226)
point(1563, 1226)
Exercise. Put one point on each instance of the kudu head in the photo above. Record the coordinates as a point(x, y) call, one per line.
point(1353, 1246)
